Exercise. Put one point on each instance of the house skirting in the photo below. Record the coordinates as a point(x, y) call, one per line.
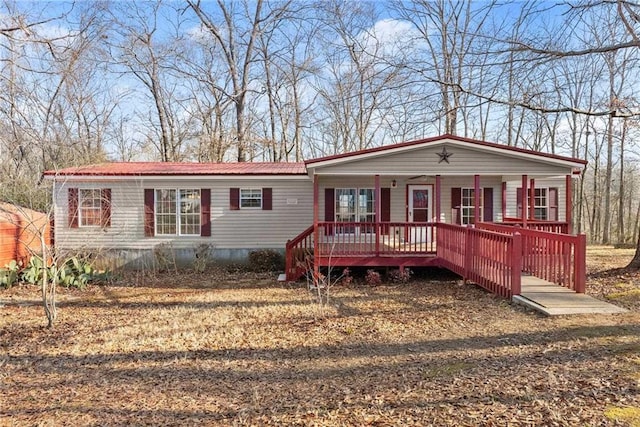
point(163, 257)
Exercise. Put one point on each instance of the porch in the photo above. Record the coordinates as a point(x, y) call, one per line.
point(494, 256)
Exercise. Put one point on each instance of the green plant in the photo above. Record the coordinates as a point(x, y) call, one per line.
point(266, 260)
point(74, 272)
point(9, 274)
point(32, 274)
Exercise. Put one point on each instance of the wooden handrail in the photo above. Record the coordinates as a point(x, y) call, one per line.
point(296, 251)
point(555, 257)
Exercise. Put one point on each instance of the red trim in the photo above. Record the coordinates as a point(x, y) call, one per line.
point(234, 199)
point(442, 138)
point(385, 204)
point(476, 199)
point(504, 200)
point(378, 198)
point(438, 196)
point(532, 199)
point(105, 207)
point(568, 201)
point(267, 199)
point(456, 205)
point(316, 196)
point(487, 204)
point(179, 168)
point(73, 207)
point(149, 216)
point(524, 199)
point(407, 199)
point(205, 212)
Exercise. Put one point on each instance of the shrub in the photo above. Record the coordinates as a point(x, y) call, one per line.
point(346, 278)
point(373, 278)
point(266, 260)
point(202, 258)
point(400, 276)
point(164, 257)
point(9, 274)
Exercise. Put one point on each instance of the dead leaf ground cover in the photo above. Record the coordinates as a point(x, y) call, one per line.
point(220, 349)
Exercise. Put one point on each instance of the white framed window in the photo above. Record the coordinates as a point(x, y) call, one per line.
point(177, 212)
point(541, 204)
point(90, 207)
point(468, 205)
point(251, 198)
point(355, 205)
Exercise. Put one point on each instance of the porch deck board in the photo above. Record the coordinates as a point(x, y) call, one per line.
point(553, 300)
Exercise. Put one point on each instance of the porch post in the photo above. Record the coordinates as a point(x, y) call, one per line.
point(476, 201)
point(316, 243)
point(568, 202)
point(504, 200)
point(524, 198)
point(532, 199)
point(378, 211)
point(438, 192)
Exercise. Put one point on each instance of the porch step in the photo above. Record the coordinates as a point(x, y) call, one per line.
point(553, 300)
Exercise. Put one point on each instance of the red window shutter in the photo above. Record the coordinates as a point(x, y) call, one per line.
point(205, 212)
point(329, 209)
point(234, 199)
point(267, 199)
point(73, 208)
point(385, 208)
point(329, 205)
point(553, 204)
point(456, 201)
point(149, 214)
point(488, 204)
point(519, 202)
point(105, 207)
point(385, 204)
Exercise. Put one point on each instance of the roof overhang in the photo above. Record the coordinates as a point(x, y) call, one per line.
point(574, 164)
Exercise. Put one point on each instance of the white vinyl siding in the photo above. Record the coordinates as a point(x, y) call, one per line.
point(249, 228)
point(463, 161)
point(513, 183)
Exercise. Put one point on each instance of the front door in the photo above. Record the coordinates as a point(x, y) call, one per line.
point(420, 210)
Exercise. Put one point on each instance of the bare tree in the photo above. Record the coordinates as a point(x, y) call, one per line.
point(236, 34)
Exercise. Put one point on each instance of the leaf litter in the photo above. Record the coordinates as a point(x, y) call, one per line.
point(236, 348)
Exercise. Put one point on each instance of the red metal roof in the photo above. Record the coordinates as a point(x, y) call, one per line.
point(176, 168)
point(440, 138)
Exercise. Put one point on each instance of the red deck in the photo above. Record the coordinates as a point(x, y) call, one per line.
point(491, 255)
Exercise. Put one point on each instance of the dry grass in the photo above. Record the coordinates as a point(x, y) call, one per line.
point(218, 349)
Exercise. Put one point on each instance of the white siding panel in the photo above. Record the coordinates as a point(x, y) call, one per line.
point(559, 182)
point(292, 213)
point(463, 161)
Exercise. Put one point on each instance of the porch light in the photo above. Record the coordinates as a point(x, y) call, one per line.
point(394, 183)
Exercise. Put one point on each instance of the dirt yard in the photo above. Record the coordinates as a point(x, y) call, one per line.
point(240, 349)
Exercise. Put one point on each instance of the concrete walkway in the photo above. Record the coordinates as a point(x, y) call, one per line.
point(552, 300)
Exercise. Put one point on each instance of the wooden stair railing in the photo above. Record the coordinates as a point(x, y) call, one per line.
point(297, 253)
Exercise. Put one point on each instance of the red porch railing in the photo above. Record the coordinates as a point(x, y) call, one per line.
point(549, 226)
point(490, 259)
point(491, 255)
point(346, 239)
point(296, 252)
point(557, 258)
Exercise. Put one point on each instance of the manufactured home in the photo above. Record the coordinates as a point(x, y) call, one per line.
point(418, 203)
